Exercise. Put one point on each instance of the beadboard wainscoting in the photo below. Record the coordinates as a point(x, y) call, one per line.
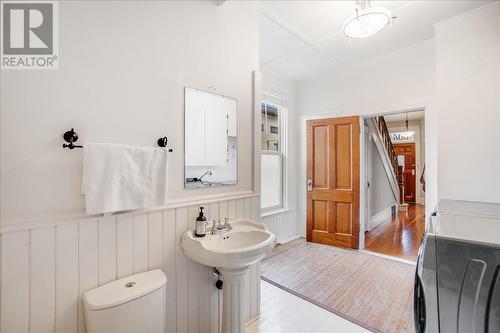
point(46, 269)
point(281, 223)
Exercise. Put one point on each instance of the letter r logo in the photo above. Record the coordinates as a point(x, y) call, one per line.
point(27, 28)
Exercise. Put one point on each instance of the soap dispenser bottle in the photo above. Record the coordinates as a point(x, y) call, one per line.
point(201, 224)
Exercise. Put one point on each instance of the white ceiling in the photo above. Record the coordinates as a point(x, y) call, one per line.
point(301, 38)
point(415, 115)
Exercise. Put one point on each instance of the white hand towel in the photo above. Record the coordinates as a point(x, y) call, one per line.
point(120, 177)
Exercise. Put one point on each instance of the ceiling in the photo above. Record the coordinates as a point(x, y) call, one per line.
point(301, 38)
point(414, 115)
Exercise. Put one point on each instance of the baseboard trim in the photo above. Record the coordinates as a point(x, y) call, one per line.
point(289, 239)
point(380, 217)
point(405, 261)
point(252, 320)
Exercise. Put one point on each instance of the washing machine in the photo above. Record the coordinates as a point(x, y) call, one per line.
point(457, 280)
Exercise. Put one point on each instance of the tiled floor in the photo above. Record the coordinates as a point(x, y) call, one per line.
point(284, 312)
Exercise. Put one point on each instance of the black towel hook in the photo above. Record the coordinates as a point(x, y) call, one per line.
point(70, 137)
point(162, 142)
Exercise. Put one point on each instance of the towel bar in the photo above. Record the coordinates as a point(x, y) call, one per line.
point(71, 136)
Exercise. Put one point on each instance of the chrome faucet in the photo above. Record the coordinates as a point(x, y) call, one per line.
point(199, 179)
point(218, 228)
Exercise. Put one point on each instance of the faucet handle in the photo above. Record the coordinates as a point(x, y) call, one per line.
point(227, 219)
point(214, 224)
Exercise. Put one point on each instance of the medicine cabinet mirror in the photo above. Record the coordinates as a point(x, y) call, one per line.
point(211, 139)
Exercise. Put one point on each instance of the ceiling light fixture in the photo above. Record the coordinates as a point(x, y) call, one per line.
point(408, 133)
point(367, 21)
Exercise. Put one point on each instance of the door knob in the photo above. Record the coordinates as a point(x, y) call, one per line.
point(309, 185)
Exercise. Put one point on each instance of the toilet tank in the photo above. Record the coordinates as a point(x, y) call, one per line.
point(134, 304)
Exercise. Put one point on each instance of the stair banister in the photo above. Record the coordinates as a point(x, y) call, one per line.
point(391, 153)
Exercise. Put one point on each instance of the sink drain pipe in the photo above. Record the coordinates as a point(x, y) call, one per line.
point(219, 283)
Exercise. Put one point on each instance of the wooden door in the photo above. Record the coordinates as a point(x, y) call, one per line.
point(333, 181)
point(407, 152)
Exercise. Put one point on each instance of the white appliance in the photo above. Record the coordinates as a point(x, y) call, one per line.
point(457, 281)
point(134, 304)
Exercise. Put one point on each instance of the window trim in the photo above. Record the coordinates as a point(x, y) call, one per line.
point(283, 152)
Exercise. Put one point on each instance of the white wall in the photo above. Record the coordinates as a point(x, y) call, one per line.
point(122, 69)
point(399, 80)
point(468, 101)
point(381, 192)
point(385, 83)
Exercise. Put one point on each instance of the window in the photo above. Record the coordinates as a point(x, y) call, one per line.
point(270, 127)
point(272, 157)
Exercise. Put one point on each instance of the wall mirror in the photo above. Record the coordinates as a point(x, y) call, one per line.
point(211, 139)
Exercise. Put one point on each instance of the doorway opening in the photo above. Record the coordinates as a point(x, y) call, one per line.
point(394, 190)
point(334, 174)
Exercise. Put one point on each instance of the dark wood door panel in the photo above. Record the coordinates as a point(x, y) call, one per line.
point(343, 157)
point(320, 155)
point(343, 218)
point(333, 168)
point(409, 170)
point(332, 195)
point(320, 215)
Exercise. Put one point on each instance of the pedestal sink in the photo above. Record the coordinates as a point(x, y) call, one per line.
point(232, 252)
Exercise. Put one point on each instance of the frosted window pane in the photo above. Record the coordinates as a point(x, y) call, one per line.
point(270, 181)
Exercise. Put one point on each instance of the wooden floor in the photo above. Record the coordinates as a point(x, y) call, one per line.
point(400, 236)
point(281, 311)
point(372, 292)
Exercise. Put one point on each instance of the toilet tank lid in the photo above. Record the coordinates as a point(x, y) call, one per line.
point(124, 290)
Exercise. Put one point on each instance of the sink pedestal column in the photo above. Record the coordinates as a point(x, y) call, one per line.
point(233, 318)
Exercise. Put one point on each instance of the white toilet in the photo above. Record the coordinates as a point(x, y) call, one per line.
point(134, 304)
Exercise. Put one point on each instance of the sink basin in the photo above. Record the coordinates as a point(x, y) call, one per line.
point(247, 243)
point(232, 252)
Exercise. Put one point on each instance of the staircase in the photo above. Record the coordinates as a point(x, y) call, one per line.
point(382, 139)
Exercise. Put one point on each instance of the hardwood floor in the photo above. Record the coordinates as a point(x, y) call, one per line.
point(400, 236)
point(373, 292)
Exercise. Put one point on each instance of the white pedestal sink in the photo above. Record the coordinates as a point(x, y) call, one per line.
point(232, 252)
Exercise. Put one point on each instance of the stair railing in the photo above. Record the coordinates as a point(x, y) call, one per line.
point(393, 158)
point(422, 179)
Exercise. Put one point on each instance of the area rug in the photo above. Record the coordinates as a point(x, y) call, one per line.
point(373, 292)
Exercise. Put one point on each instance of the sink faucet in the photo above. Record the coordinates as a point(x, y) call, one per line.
point(219, 228)
point(199, 179)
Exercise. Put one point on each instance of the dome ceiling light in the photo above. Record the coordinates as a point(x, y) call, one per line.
point(367, 21)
